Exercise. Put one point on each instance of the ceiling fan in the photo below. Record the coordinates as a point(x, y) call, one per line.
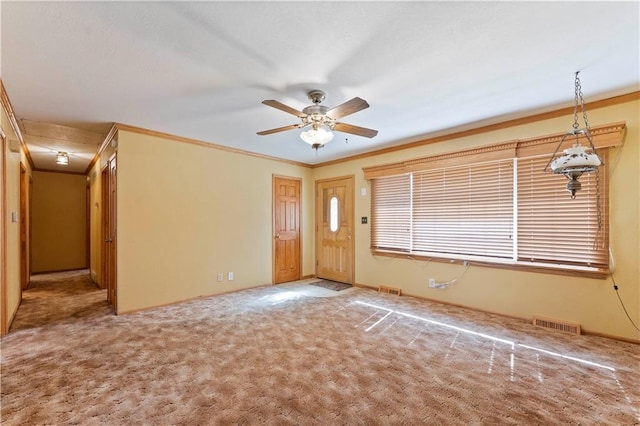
point(319, 116)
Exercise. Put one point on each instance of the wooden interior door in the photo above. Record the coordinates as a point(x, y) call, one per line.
point(24, 228)
point(286, 229)
point(109, 228)
point(334, 229)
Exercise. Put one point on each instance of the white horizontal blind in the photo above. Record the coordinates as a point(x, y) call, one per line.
point(464, 210)
point(391, 213)
point(553, 228)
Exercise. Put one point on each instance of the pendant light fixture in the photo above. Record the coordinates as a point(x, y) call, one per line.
point(62, 158)
point(578, 159)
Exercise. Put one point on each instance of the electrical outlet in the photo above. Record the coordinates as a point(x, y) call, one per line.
point(219, 277)
point(432, 282)
point(230, 276)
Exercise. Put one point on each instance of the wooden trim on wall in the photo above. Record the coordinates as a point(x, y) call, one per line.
point(512, 317)
point(51, 271)
point(3, 234)
point(203, 297)
point(508, 266)
point(111, 135)
point(59, 171)
point(604, 136)
point(616, 100)
point(154, 133)
point(8, 109)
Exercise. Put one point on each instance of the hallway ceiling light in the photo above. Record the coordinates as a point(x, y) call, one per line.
point(577, 159)
point(62, 158)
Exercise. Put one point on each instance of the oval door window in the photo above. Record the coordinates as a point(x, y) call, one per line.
point(333, 214)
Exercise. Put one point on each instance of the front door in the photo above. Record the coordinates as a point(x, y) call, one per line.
point(286, 229)
point(334, 229)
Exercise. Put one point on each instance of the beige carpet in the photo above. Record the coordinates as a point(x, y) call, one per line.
point(294, 355)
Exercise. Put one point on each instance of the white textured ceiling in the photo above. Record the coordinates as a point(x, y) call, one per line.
point(201, 69)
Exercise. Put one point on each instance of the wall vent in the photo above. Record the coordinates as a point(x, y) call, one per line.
point(390, 290)
point(554, 324)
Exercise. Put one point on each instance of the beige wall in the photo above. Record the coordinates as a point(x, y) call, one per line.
point(591, 302)
point(11, 171)
point(59, 222)
point(188, 212)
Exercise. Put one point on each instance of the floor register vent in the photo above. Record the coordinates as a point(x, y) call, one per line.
point(390, 290)
point(554, 324)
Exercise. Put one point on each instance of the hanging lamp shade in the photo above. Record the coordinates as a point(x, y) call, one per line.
point(316, 137)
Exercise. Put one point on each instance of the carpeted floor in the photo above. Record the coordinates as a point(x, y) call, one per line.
point(292, 354)
point(60, 297)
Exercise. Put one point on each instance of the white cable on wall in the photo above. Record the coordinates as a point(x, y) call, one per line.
point(446, 284)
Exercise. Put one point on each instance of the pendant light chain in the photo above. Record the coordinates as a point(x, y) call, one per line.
point(579, 100)
point(598, 212)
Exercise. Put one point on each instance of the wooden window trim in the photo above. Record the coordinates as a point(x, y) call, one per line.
point(523, 267)
point(604, 136)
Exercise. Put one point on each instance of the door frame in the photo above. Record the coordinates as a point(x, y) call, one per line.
point(3, 235)
point(273, 225)
point(24, 228)
point(108, 220)
point(104, 211)
point(318, 220)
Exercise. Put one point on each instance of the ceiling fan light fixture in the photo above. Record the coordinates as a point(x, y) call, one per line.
point(316, 137)
point(62, 158)
point(322, 119)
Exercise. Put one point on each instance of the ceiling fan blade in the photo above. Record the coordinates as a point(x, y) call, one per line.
point(355, 130)
point(280, 129)
point(283, 107)
point(347, 108)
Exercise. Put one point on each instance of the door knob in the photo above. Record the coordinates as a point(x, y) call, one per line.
point(277, 236)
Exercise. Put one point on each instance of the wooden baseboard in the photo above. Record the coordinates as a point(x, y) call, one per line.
point(13, 316)
point(59, 270)
point(610, 336)
point(512, 317)
point(205, 296)
point(365, 286)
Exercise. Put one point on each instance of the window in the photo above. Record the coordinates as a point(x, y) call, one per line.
point(495, 205)
point(553, 228)
point(333, 214)
point(391, 213)
point(464, 210)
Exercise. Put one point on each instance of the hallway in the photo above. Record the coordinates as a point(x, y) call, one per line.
point(60, 297)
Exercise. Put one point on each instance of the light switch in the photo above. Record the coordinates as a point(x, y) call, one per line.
point(363, 191)
point(14, 217)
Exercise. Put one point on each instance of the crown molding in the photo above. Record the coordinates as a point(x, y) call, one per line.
point(615, 100)
point(8, 110)
point(148, 132)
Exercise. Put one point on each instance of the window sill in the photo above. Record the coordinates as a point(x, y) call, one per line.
point(573, 271)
